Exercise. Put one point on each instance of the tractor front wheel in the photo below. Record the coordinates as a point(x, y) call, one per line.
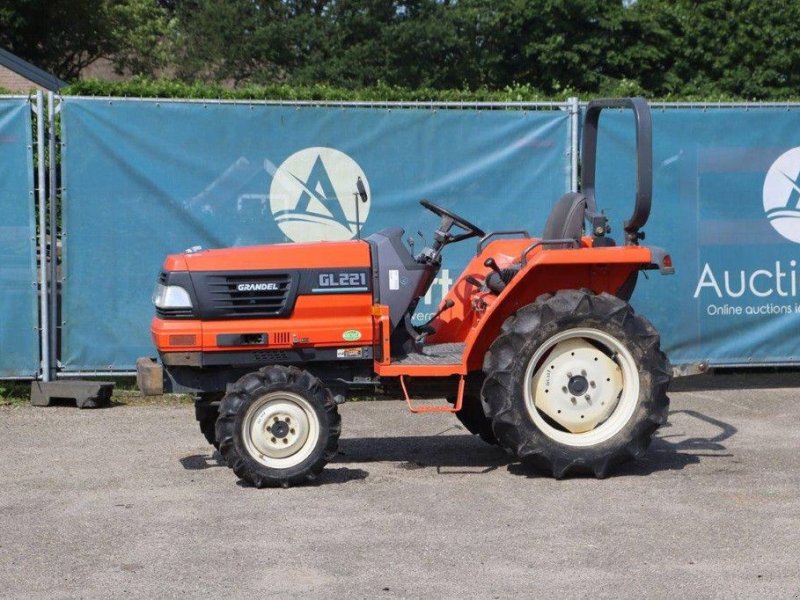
point(576, 382)
point(278, 427)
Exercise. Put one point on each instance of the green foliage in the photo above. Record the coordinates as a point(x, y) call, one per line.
point(143, 35)
point(60, 36)
point(13, 393)
point(420, 49)
point(65, 36)
point(170, 88)
point(140, 87)
point(747, 48)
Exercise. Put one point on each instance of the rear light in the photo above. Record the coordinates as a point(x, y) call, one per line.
point(660, 260)
point(663, 261)
point(183, 340)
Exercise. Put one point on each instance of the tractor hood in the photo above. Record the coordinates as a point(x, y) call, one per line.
point(323, 255)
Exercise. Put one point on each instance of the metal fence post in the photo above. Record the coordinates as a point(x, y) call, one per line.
point(53, 167)
point(44, 313)
point(574, 125)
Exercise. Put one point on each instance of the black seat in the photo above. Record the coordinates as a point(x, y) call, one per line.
point(566, 220)
point(564, 223)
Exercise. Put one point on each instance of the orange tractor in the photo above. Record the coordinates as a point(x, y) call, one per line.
point(535, 346)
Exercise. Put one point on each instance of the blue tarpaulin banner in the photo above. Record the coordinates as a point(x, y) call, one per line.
point(726, 205)
point(19, 345)
point(143, 179)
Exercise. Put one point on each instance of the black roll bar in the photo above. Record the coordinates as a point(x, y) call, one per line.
point(644, 162)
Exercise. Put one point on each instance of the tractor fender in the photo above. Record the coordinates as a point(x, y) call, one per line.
point(602, 269)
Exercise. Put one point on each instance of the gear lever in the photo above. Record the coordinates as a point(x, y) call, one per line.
point(473, 281)
point(426, 330)
point(490, 262)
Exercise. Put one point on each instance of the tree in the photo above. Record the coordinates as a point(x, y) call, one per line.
point(65, 36)
point(243, 40)
point(746, 48)
point(142, 34)
point(416, 43)
point(736, 48)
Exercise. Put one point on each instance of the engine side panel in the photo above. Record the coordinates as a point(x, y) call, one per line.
point(329, 320)
point(353, 253)
point(270, 293)
point(265, 298)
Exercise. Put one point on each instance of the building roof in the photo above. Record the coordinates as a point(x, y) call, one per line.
point(34, 74)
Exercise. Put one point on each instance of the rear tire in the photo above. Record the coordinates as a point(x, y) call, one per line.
point(576, 382)
point(206, 411)
point(278, 427)
point(474, 419)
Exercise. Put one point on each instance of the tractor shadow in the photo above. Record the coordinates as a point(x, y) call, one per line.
point(674, 447)
point(449, 453)
point(201, 462)
point(688, 438)
point(331, 474)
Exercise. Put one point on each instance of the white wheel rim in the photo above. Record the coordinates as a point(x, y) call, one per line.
point(597, 365)
point(280, 429)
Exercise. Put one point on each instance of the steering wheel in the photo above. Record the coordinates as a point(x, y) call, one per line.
point(448, 220)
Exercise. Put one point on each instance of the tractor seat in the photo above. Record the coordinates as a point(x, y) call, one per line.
point(564, 223)
point(566, 220)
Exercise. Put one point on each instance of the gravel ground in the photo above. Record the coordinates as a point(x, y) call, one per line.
point(130, 501)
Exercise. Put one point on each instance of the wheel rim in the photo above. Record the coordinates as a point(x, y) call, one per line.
point(280, 429)
point(581, 387)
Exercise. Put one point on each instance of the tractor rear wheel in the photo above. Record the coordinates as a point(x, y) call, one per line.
point(474, 419)
point(576, 382)
point(206, 411)
point(278, 427)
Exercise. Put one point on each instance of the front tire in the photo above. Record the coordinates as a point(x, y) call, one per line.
point(576, 382)
point(278, 427)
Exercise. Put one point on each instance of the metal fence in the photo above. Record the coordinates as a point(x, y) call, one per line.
point(19, 345)
point(139, 178)
point(725, 204)
point(146, 178)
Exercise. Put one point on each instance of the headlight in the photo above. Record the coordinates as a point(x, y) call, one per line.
point(171, 296)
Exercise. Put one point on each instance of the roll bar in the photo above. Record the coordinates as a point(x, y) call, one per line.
point(644, 164)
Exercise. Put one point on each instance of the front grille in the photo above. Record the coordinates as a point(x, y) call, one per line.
point(227, 300)
point(281, 337)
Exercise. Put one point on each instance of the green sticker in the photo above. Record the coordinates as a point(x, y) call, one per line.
point(351, 335)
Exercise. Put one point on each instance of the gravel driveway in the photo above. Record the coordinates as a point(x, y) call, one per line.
point(130, 501)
